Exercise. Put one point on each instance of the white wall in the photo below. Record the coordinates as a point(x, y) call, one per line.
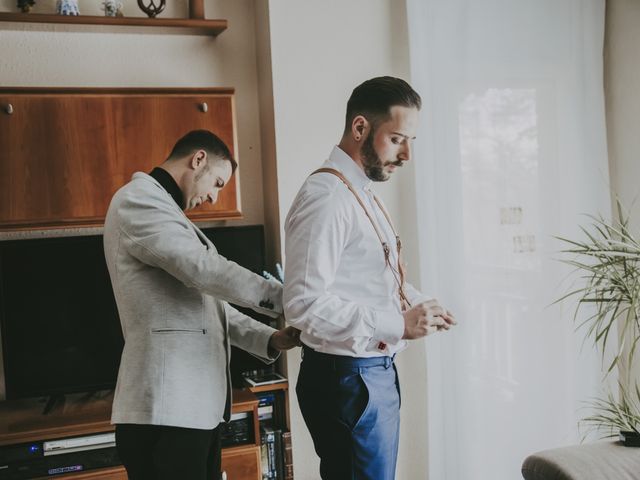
point(622, 77)
point(319, 53)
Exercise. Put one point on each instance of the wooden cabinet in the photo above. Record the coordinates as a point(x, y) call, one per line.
point(242, 463)
point(239, 463)
point(22, 422)
point(64, 152)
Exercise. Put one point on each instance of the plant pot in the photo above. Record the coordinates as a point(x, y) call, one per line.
point(196, 8)
point(630, 439)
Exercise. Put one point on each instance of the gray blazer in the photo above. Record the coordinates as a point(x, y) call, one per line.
point(172, 288)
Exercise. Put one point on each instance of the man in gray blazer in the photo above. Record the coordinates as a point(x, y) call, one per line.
point(173, 291)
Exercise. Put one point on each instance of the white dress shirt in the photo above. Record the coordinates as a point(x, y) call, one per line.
point(338, 288)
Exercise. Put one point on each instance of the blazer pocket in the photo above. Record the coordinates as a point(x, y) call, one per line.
point(200, 331)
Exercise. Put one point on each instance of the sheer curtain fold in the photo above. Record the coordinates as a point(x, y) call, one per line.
point(511, 152)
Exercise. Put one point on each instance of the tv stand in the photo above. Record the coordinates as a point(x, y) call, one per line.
point(22, 421)
point(53, 401)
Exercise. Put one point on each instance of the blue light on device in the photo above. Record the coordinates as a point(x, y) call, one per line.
point(34, 449)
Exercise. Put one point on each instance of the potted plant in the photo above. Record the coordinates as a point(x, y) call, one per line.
point(608, 263)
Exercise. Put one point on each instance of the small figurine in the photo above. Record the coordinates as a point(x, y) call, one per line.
point(112, 8)
point(67, 7)
point(25, 5)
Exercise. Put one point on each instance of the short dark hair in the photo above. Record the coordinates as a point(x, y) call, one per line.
point(374, 98)
point(205, 140)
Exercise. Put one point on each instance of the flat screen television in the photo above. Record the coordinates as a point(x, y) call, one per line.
point(60, 327)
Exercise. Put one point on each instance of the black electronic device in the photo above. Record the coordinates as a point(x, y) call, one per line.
point(58, 456)
point(238, 431)
point(43, 466)
point(60, 326)
point(243, 245)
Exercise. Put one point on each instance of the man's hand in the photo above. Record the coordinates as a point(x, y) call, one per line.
point(449, 320)
point(426, 318)
point(285, 339)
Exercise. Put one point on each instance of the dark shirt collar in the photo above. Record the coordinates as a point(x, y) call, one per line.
point(165, 179)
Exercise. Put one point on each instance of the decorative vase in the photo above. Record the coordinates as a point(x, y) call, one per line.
point(196, 8)
point(150, 8)
point(112, 8)
point(67, 7)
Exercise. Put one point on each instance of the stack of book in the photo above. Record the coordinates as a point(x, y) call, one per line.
point(277, 458)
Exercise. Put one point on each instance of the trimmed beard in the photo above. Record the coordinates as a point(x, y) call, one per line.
point(371, 161)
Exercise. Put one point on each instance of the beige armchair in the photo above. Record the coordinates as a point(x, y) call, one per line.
point(593, 461)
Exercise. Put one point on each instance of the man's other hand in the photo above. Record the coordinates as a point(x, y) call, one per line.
point(426, 318)
point(285, 339)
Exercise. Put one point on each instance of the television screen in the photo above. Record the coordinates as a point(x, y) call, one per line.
point(60, 327)
point(243, 245)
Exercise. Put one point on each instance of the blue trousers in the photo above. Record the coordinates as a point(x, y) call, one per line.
point(352, 409)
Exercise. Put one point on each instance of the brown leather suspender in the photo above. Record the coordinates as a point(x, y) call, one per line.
point(398, 274)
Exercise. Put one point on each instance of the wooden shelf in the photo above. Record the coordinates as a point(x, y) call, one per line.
point(175, 25)
point(22, 421)
point(284, 385)
point(243, 401)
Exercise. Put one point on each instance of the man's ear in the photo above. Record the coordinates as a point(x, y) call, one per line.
point(198, 159)
point(359, 127)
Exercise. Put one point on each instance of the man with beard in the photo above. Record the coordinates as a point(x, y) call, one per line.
point(345, 288)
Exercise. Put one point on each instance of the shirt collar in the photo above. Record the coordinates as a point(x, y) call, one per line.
point(167, 182)
point(349, 168)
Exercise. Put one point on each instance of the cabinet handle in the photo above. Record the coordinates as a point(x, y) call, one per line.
point(204, 107)
point(8, 109)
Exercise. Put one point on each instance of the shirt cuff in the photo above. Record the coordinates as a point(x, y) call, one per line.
point(389, 327)
point(419, 298)
point(272, 354)
point(265, 352)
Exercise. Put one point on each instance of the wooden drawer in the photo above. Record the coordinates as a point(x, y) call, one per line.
point(242, 463)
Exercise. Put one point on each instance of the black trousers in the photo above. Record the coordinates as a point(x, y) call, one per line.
point(156, 452)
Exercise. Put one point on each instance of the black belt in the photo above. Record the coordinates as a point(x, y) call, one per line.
point(333, 361)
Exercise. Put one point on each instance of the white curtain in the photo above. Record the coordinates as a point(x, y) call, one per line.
point(511, 152)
